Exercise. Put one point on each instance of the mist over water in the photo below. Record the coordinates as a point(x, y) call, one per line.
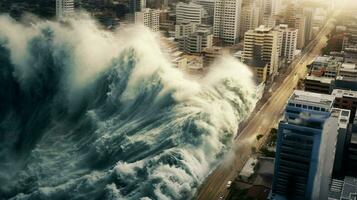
point(90, 114)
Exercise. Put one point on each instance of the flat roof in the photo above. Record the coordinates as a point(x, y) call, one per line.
point(342, 115)
point(322, 59)
point(311, 97)
point(348, 67)
point(344, 93)
point(322, 79)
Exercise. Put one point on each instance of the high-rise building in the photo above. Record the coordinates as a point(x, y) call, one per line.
point(249, 16)
point(308, 13)
point(288, 42)
point(305, 148)
point(268, 42)
point(301, 19)
point(149, 18)
point(300, 25)
point(64, 8)
point(136, 5)
point(208, 6)
point(189, 12)
point(227, 20)
point(269, 10)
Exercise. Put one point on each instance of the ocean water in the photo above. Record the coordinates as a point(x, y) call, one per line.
point(91, 114)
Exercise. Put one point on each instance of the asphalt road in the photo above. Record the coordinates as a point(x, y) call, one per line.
point(261, 122)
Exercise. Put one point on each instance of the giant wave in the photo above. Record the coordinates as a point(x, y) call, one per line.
point(90, 114)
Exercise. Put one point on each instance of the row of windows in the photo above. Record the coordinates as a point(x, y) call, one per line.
point(308, 107)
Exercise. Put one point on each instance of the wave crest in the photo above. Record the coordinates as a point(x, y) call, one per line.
point(99, 115)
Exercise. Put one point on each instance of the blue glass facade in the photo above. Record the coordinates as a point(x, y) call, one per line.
point(298, 146)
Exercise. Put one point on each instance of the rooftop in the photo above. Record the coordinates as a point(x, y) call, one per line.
point(342, 115)
point(327, 59)
point(310, 97)
point(344, 93)
point(348, 67)
point(263, 29)
point(322, 79)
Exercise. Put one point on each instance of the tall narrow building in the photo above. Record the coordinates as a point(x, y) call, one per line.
point(306, 147)
point(136, 5)
point(64, 8)
point(249, 16)
point(227, 20)
point(288, 42)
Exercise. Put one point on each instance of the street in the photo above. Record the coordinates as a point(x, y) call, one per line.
point(261, 122)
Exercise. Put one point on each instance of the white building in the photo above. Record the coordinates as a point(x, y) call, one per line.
point(149, 18)
point(195, 42)
point(64, 8)
point(190, 12)
point(227, 20)
point(288, 42)
point(208, 5)
point(267, 40)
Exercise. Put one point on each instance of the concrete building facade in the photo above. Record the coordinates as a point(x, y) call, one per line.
point(305, 172)
point(227, 20)
point(268, 41)
point(189, 12)
point(149, 18)
point(64, 8)
point(288, 42)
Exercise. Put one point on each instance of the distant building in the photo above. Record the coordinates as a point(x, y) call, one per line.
point(136, 5)
point(149, 18)
point(195, 42)
point(208, 6)
point(266, 39)
point(64, 8)
point(189, 12)
point(305, 148)
point(249, 17)
point(300, 24)
point(269, 10)
point(288, 42)
point(227, 20)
